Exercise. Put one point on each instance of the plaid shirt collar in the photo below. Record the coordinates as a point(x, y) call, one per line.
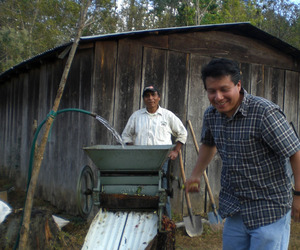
point(243, 108)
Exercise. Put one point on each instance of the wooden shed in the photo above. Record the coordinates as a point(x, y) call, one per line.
point(107, 77)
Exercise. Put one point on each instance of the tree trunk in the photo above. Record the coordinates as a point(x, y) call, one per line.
point(41, 149)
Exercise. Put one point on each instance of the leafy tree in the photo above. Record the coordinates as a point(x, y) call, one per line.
point(135, 15)
point(240, 11)
point(197, 12)
point(102, 18)
point(165, 12)
point(207, 12)
point(38, 25)
point(281, 19)
point(294, 38)
point(186, 14)
point(12, 44)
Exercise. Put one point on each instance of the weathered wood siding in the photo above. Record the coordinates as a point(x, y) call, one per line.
point(107, 77)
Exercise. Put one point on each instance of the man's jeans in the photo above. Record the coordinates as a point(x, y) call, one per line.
point(270, 237)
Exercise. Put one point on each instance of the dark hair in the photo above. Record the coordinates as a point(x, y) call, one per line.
point(221, 67)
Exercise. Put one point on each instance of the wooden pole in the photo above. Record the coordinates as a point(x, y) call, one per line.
point(41, 149)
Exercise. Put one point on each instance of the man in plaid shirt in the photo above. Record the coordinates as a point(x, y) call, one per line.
point(254, 141)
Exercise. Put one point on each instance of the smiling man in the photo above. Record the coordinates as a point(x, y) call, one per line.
point(254, 141)
point(224, 95)
point(155, 125)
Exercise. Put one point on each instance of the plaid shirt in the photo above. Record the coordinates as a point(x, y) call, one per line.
point(254, 146)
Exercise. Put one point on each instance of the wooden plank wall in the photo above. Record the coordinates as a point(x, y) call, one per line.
point(107, 77)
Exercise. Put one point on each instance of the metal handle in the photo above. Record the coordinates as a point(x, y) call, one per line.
point(188, 201)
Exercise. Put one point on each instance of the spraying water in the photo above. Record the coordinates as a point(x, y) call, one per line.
point(111, 129)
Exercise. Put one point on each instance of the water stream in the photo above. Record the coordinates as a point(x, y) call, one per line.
point(111, 129)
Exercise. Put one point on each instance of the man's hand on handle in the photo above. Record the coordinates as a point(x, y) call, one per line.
point(192, 185)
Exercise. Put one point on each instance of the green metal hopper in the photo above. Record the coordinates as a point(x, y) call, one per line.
point(128, 158)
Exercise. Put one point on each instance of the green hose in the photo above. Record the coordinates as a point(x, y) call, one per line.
point(53, 115)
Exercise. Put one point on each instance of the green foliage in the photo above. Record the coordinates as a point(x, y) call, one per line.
point(240, 11)
point(282, 19)
point(186, 15)
point(13, 46)
point(208, 12)
point(133, 15)
point(30, 27)
point(295, 36)
point(102, 18)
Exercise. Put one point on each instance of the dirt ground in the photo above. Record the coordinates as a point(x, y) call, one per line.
point(73, 234)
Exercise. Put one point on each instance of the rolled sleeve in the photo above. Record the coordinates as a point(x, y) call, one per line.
point(128, 132)
point(178, 130)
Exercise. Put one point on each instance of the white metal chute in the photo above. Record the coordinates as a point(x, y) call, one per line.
point(121, 230)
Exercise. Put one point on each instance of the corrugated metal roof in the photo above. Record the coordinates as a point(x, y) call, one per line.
point(245, 29)
point(121, 230)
